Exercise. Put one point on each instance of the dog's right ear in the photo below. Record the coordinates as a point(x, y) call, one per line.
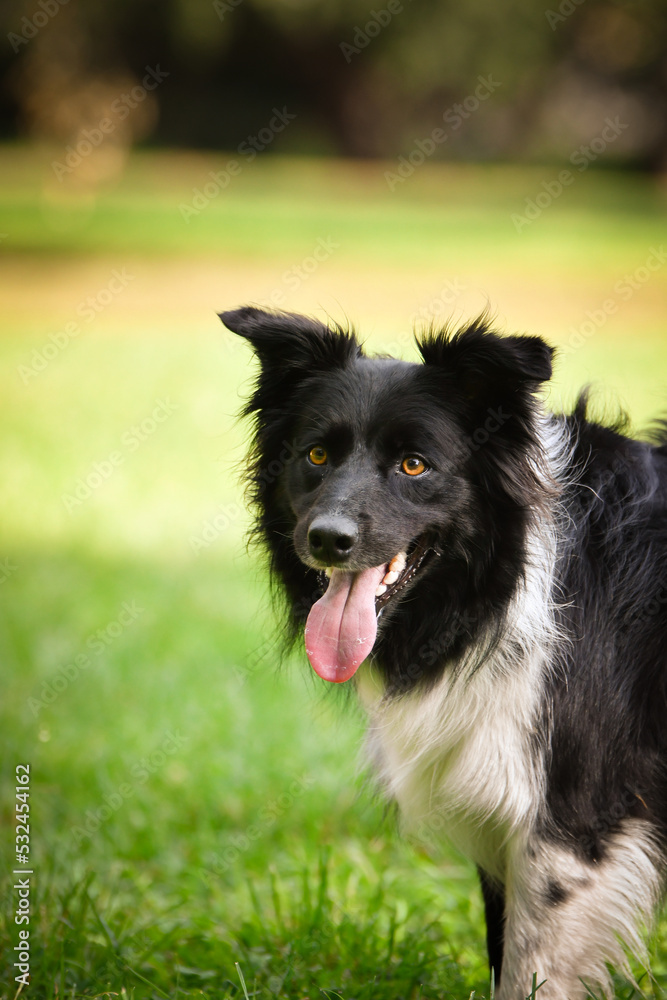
point(287, 343)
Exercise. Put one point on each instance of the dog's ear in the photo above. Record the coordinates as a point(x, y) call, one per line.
point(287, 343)
point(484, 364)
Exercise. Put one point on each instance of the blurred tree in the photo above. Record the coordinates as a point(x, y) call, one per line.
point(362, 79)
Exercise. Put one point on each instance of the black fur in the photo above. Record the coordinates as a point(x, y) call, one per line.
point(494, 911)
point(471, 408)
point(470, 379)
point(610, 693)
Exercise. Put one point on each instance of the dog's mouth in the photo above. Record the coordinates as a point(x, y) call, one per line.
point(342, 626)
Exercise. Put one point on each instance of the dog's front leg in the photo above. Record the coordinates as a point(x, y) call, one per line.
point(567, 916)
point(494, 909)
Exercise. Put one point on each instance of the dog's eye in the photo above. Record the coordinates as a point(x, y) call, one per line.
point(318, 455)
point(412, 465)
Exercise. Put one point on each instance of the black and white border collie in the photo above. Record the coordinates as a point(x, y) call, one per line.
point(494, 578)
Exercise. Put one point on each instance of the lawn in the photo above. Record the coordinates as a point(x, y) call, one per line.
point(198, 822)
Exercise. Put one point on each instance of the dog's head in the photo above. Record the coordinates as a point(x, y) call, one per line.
point(381, 474)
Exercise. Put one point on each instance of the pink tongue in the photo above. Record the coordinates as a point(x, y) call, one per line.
point(342, 626)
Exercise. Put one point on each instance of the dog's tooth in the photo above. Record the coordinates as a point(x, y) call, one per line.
point(397, 564)
point(380, 590)
point(391, 577)
point(328, 571)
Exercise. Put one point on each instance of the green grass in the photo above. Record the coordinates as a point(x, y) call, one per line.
point(193, 807)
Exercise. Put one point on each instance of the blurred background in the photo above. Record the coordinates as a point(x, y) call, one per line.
point(198, 822)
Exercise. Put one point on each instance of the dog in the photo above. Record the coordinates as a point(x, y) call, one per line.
point(493, 580)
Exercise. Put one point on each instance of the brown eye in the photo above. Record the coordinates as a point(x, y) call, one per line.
point(318, 455)
point(413, 465)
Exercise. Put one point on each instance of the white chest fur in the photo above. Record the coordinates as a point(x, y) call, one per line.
point(460, 760)
point(464, 758)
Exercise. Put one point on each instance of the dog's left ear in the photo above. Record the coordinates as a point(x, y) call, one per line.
point(483, 363)
point(286, 343)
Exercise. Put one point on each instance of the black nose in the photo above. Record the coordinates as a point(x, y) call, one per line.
point(331, 538)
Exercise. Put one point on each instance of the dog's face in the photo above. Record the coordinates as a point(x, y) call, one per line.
point(384, 483)
point(376, 488)
point(380, 466)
